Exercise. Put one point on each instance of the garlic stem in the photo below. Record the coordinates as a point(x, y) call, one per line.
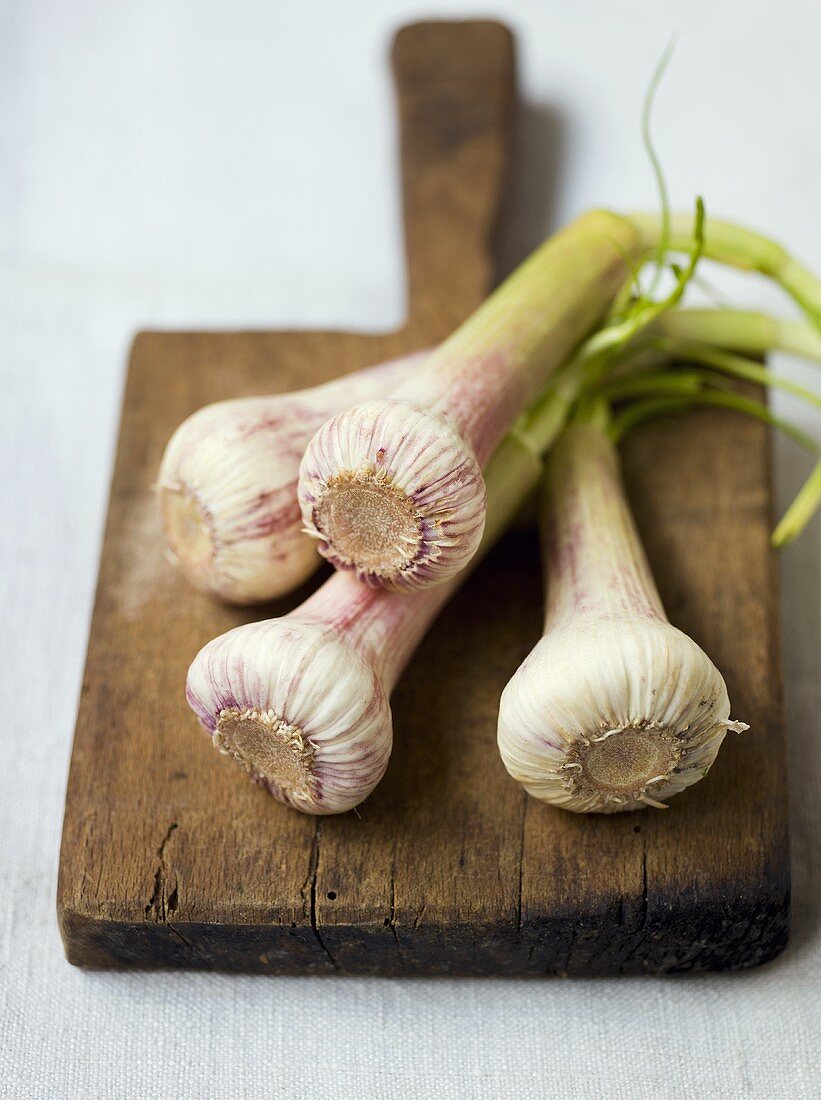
point(742, 248)
point(500, 358)
point(754, 333)
point(392, 490)
point(596, 567)
point(637, 412)
point(727, 364)
point(615, 709)
point(800, 512)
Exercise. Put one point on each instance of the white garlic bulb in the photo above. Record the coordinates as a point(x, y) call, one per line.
point(411, 513)
point(299, 708)
point(614, 709)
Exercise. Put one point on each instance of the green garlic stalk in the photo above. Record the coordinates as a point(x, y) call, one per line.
point(737, 247)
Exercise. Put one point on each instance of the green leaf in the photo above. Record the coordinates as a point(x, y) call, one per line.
point(655, 162)
point(804, 506)
point(738, 366)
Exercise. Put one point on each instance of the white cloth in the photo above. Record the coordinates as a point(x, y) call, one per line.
point(182, 163)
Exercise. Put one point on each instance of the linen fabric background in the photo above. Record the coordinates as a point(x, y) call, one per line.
point(186, 164)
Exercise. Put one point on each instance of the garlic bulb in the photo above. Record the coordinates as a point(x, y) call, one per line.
point(401, 515)
point(615, 709)
point(227, 485)
point(301, 702)
point(392, 489)
point(300, 708)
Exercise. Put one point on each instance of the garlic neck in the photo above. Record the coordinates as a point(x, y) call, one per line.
point(498, 361)
point(595, 565)
point(384, 628)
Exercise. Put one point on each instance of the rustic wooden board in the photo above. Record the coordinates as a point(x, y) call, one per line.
point(170, 857)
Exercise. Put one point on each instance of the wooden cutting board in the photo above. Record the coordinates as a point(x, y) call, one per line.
point(170, 857)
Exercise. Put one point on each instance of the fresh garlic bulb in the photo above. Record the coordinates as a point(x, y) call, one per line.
point(615, 709)
point(298, 707)
point(301, 702)
point(227, 485)
point(400, 515)
point(392, 489)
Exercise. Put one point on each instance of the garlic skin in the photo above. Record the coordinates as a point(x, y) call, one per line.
point(472, 388)
point(302, 712)
point(228, 478)
point(566, 716)
point(614, 709)
point(396, 516)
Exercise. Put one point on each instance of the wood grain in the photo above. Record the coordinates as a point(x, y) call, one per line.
point(170, 857)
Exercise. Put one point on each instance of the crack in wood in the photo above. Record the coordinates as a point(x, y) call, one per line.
point(157, 907)
point(643, 911)
point(308, 894)
point(644, 908)
point(392, 911)
point(564, 971)
point(521, 865)
point(391, 918)
point(164, 901)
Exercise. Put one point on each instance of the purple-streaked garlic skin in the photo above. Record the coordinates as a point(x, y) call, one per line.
point(615, 709)
point(472, 388)
point(414, 458)
point(314, 684)
point(228, 478)
point(325, 671)
point(319, 679)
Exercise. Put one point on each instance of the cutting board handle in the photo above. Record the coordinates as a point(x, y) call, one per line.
point(456, 91)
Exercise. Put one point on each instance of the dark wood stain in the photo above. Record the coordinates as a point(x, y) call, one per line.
point(171, 858)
